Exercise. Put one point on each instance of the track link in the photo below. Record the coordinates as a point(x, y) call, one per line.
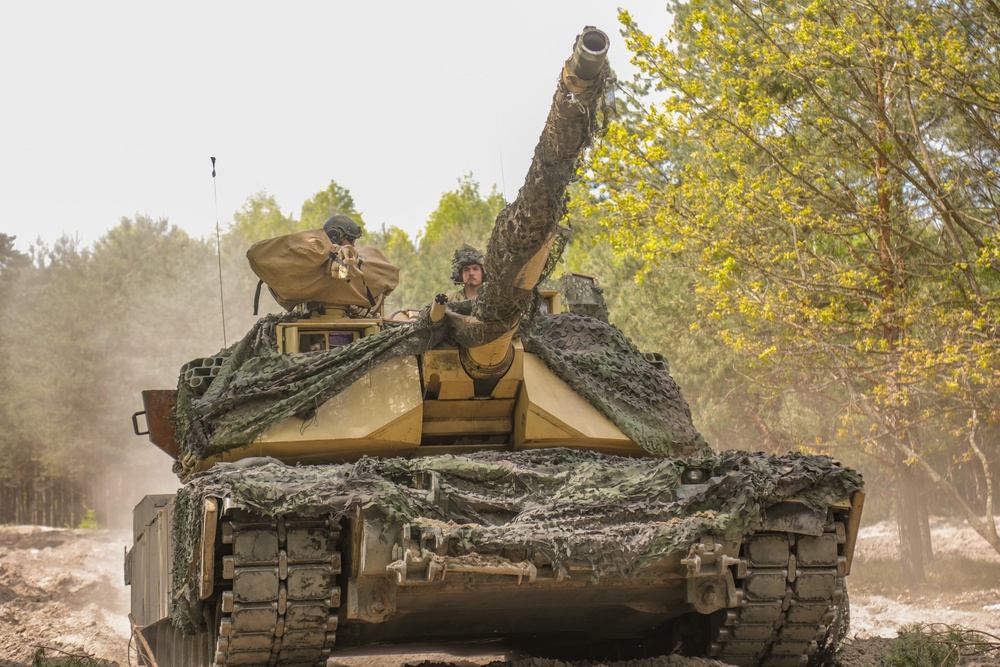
point(280, 599)
point(792, 589)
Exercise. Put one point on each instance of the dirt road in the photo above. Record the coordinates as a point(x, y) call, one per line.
point(63, 589)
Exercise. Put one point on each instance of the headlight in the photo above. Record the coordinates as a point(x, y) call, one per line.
point(694, 476)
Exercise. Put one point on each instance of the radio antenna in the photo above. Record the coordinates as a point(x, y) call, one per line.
point(503, 179)
point(218, 253)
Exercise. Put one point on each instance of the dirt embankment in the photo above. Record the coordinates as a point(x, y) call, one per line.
point(63, 589)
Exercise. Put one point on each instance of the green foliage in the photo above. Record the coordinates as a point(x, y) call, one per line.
point(463, 215)
point(392, 241)
point(89, 520)
point(261, 218)
point(85, 331)
point(936, 645)
point(8, 255)
point(463, 212)
point(335, 200)
point(656, 310)
point(821, 179)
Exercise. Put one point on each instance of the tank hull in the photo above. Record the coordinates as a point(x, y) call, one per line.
point(407, 561)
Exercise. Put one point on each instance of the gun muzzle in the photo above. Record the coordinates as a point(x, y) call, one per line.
point(589, 54)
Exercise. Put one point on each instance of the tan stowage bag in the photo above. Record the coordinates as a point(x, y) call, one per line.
point(307, 267)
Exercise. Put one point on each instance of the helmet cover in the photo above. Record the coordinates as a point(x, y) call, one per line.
point(465, 256)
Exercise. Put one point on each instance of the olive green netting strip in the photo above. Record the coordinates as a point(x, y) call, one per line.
point(614, 515)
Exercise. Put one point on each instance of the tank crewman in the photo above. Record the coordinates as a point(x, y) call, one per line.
point(467, 271)
point(342, 230)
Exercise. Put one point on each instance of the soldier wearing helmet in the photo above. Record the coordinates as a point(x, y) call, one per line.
point(342, 230)
point(467, 271)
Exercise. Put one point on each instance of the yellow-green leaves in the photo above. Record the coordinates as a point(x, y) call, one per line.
point(826, 174)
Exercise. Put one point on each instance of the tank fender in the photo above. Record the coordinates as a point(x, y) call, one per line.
point(792, 516)
point(853, 526)
point(128, 566)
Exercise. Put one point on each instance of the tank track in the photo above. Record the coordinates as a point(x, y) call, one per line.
point(279, 598)
point(793, 600)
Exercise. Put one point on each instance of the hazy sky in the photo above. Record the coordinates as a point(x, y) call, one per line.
point(114, 108)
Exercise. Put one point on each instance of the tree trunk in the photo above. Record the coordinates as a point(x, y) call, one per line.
point(984, 525)
point(925, 528)
point(911, 548)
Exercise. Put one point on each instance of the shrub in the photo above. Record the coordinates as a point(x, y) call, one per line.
point(89, 520)
point(937, 645)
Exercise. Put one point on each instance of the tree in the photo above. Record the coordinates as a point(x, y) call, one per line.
point(9, 256)
point(463, 215)
point(14, 270)
point(828, 175)
point(86, 329)
point(654, 308)
point(335, 200)
point(261, 218)
point(463, 212)
point(398, 249)
point(392, 241)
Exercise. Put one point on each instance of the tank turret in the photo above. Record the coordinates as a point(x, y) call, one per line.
point(504, 473)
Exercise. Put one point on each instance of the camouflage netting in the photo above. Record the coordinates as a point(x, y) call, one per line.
point(581, 294)
point(613, 514)
point(601, 364)
point(530, 222)
point(463, 257)
point(256, 387)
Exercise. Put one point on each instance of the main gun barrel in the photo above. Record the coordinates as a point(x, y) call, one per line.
point(589, 54)
point(525, 230)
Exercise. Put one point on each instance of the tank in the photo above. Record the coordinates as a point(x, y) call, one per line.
point(504, 474)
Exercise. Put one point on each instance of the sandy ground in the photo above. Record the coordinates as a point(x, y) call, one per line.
point(962, 587)
point(63, 589)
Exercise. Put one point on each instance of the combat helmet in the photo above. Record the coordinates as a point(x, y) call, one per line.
point(463, 257)
point(341, 227)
